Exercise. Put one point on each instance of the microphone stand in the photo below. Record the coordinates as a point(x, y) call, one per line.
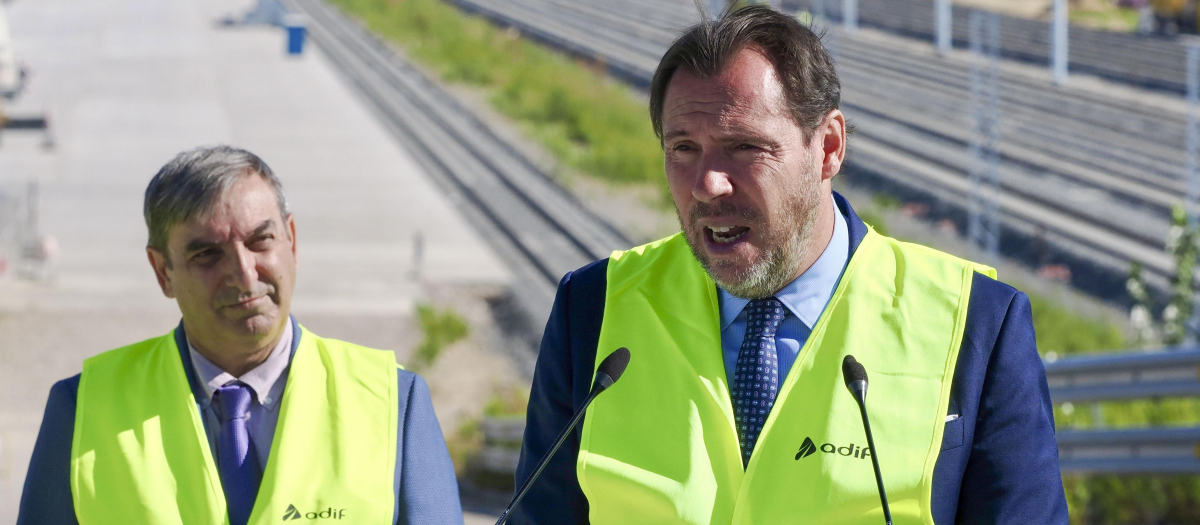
point(607, 373)
point(562, 437)
point(862, 406)
point(855, 376)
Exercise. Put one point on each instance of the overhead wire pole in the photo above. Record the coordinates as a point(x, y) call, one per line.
point(1058, 41)
point(983, 221)
point(716, 8)
point(941, 11)
point(818, 12)
point(850, 16)
point(821, 24)
point(1192, 169)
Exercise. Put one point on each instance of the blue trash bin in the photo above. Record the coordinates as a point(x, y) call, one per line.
point(296, 33)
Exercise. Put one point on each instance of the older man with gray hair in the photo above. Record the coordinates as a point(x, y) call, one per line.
point(238, 415)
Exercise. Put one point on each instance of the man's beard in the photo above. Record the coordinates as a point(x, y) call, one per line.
point(783, 247)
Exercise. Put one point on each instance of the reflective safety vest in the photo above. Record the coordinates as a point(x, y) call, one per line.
point(140, 453)
point(660, 447)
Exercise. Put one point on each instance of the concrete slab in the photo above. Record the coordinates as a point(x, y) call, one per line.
point(129, 83)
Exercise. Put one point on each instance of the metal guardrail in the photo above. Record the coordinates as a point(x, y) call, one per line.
point(1127, 376)
point(1139, 375)
point(1130, 451)
point(501, 445)
point(1163, 373)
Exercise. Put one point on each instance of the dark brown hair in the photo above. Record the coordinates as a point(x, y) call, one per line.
point(807, 72)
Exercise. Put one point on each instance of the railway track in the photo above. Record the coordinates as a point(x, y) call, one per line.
point(536, 226)
point(1091, 176)
point(1149, 61)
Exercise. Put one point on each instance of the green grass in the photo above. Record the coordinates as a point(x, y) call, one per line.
point(441, 328)
point(1110, 17)
point(1065, 332)
point(510, 402)
point(589, 122)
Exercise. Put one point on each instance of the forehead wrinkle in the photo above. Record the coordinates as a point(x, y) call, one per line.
point(728, 97)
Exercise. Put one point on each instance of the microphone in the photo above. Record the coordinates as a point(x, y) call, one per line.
point(856, 381)
point(607, 373)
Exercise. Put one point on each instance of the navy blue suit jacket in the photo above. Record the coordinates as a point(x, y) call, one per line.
point(999, 459)
point(425, 486)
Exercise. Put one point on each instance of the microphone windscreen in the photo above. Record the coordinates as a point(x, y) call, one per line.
point(852, 370)
point(614, 365)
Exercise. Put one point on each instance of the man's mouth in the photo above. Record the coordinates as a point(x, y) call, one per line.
point(248, 303)
point(726, 234)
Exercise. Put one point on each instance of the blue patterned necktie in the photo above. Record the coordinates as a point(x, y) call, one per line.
point(756, 376)
point(240, 472)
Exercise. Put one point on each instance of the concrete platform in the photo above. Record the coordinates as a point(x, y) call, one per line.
point(129, 83)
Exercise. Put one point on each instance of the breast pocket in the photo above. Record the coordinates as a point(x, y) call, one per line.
point(952, 437)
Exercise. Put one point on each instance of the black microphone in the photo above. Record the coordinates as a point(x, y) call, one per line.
point(607, 373)
point(856, 381)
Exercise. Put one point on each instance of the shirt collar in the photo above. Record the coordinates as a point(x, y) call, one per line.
point(261, 379)
point(806, 296)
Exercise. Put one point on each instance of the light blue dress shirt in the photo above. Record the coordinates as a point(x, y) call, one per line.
point(803, 300)
point(266, 381)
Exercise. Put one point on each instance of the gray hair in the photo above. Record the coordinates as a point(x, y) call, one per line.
point(190, 184)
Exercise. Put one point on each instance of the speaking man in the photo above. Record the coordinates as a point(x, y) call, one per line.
point(733, 408)
point(239, 415)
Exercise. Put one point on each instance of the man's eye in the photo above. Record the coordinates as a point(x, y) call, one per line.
point(746, 147)
point(206, 256)
point(682, 147)
point(261, 242)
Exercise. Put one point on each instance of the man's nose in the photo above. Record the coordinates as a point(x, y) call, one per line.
point(244, 273)
point(712, 178)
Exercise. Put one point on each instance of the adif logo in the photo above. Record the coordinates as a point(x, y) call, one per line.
point(291, 514)
point(808, 448)
point(330, 513)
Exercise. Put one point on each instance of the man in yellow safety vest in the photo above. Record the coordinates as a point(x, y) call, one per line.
point(239, 415)
point(733, 407)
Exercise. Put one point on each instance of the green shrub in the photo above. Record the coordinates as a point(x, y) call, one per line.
point(589, 122)
point(441, 329)
point(1065, 332)
point(510, 402)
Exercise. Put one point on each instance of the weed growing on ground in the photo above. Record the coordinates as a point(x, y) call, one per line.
point(589, 122)
point(441, 328)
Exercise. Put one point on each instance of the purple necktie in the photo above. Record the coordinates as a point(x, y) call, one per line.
point(237, 459)
point(756, 376)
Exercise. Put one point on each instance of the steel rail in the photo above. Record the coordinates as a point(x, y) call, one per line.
point(539, 229)
point(1148, 61)
point(1138, 236)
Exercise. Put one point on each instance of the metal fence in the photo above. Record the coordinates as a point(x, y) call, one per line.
point(1167, 373)
point(18, 212)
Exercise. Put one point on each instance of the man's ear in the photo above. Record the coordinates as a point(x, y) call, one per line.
point(832, 135)
point(158, 261)
point(289, 222)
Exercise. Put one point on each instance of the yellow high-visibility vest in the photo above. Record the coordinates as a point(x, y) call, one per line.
point(140, 453)
point(661, 446)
